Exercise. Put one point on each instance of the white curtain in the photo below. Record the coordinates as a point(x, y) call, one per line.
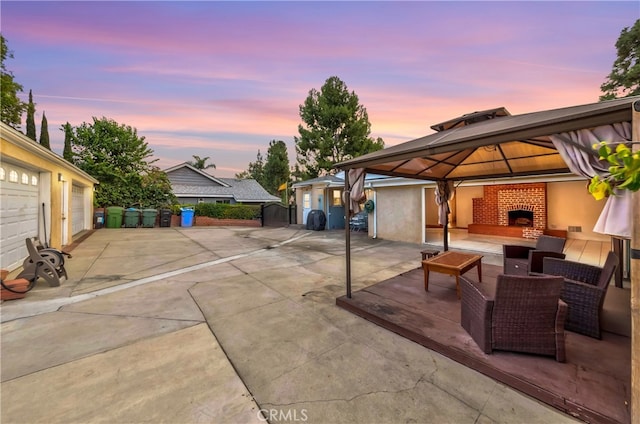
point(444, 193)
point(576, 149)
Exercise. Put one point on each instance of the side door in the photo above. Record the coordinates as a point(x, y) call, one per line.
point(306, 206)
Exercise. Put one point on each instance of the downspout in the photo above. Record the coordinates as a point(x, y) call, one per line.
point(375, 214)
point(423, 199)
point(347, 232)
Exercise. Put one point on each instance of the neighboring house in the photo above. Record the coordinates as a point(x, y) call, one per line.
point(191, 186)
point(41, 195)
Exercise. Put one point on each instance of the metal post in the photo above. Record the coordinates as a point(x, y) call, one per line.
point(347, 233)
point(445, 231)
point(635, 278)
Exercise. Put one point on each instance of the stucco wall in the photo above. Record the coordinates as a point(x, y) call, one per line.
point(570, 204)
point(464, 204)
point(318, 200)
point(399, 212)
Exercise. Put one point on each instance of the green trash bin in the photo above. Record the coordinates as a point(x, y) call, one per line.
point(149, 218)
point(131, 218)
point(114, 216)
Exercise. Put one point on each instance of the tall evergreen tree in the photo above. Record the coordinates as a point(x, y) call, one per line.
point(67, 153)
point(624, 79)
point(276, 168)
point(44, 132)
point(336, 128)
point(255, 169)
point(31, 121)
point(11, 108)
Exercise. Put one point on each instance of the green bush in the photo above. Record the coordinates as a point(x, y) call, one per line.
point(224, 210)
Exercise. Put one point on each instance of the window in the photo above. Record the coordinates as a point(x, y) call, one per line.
point(336, 198)
point(200, 200)
point(2, 174)
point(25, 178)
point(306, 201)
point(34, 180)
point(13, 176)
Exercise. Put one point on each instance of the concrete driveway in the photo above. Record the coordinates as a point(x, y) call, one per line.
point(230, 325)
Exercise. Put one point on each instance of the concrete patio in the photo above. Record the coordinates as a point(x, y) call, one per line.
point(216, 324)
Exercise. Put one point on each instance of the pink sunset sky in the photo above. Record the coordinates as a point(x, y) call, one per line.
point(223, 79)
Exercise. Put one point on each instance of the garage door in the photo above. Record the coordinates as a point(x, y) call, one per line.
point(77, 209)
point(18, 213)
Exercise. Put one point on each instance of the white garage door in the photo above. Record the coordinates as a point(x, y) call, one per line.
point(77, 209)
point(18, 213)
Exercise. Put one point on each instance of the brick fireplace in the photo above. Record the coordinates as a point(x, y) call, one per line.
point(513, 210)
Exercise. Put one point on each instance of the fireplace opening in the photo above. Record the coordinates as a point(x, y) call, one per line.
point(520, 218)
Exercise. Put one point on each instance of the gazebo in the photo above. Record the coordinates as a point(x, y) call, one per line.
point(493, 144)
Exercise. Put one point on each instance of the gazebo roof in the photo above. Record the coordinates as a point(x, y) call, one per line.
point(500, 145)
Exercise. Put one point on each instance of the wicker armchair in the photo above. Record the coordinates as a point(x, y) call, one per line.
point(585, 287)
point(521, 260)
point(525, 315)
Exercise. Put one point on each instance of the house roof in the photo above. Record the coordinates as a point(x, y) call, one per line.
point(504, 146)
point(196, 170)
point(242, 190)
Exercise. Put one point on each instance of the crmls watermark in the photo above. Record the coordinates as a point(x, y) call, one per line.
point(282, 415)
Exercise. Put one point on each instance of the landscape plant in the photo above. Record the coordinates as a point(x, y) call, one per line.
point(624, 171)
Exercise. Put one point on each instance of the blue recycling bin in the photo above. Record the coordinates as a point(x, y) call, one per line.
point(186, 217)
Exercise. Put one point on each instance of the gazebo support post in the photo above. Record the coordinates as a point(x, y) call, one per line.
point(347, 231)
point(635, 278)
point(445, 231)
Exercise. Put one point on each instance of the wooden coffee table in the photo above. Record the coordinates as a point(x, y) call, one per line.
point(451, 263)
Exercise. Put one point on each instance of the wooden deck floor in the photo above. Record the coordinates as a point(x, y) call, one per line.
point(593, 385)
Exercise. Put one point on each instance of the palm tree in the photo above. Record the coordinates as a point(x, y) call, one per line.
point(201, 163)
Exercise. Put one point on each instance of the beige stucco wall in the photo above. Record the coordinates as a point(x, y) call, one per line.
point(570, 204)
point(398, 214)
point(464, 204)
point(22, 151)
point(318, 200)
point(398, 210)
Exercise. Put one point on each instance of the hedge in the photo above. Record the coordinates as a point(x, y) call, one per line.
point(222, 210)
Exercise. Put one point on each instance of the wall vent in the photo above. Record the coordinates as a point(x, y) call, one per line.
point(575, 229)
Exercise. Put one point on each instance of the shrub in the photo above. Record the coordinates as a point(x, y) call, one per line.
point(227, 211)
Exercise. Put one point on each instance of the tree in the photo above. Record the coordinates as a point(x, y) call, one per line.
point(67, 152)
point(336, 128)
point(31, 121)
point(255, 169)
point(119, 159)
point(201, 163)
point(624, 79)
point(11, 108)
point(157, 188)
point(276, 168)
point(44, 133)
